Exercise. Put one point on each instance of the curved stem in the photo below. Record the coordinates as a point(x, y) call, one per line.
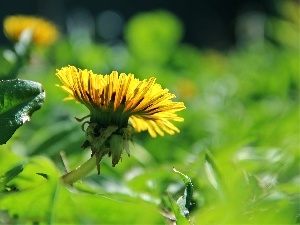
point(80, 172)
point(89, 165)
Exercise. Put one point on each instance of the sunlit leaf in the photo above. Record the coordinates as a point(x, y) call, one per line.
point(19, 99)
point(35, 195)
point(9, 175)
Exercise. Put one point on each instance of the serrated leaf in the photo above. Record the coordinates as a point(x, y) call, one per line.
point(35, 196)
point(19, 99)
point(48, 201)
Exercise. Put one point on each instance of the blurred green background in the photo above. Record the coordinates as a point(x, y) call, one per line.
point(239, 142)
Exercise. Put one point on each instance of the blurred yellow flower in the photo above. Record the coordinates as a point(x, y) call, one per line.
point(116, 99)
point(43, 32)
point(186, 88)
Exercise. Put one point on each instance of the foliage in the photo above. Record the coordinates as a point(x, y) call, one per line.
point(20, 98)
point(238, 148)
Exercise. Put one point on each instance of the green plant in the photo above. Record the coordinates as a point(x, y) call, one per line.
point(237, 150)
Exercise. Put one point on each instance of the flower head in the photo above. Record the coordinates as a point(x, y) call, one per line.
point(43, 32)
point(116, 100)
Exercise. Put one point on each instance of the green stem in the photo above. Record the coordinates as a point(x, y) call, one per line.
point(22, 52)
point(89, 165)
point(80, 172)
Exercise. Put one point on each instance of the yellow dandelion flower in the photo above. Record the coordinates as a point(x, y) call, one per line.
point(116, 99)
point(43, 32)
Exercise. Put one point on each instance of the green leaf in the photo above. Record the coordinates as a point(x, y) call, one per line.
point(78, 208)
point(9, 175)
point(184, 202)
point(35, 196)
point(48, 201)
point(19, 99)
